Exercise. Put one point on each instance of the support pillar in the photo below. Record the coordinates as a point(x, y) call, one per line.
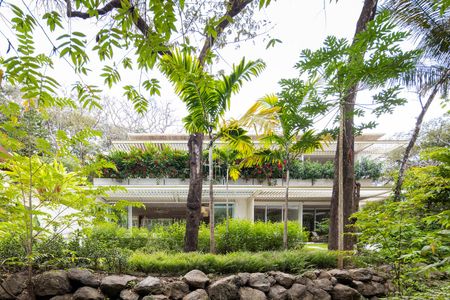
point(130, 217)
point(300, 215)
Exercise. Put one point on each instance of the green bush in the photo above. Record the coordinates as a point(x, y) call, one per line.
point(294, 261)
point(243, 235)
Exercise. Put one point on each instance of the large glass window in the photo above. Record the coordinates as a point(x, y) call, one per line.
point(220, 212)
point(260, 213)
point(274, 214)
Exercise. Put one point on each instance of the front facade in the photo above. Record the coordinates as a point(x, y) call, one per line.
point(309, 201)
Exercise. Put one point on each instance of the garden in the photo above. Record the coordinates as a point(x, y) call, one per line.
point(61, 239)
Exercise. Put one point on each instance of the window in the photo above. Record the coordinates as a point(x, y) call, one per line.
point(220, 212)
point(273, 213)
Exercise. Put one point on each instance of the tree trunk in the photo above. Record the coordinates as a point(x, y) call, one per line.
point(286, 203)
point(412, 141)
point(212, 241)
point(367, 14)
point(194, 200)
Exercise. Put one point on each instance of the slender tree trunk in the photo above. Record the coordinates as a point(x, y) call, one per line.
point(194, 200)
point(212, 241)
point(347, 148)
point(227, 202)
point(412, 141)
point(286, 203)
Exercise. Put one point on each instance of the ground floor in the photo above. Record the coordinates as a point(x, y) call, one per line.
point(165, 204)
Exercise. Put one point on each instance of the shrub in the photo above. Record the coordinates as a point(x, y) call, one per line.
point(243, 235)
point(294, 261)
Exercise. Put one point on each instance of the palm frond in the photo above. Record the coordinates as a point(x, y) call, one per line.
point(262, 116)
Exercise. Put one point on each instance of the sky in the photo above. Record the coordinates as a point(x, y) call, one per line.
point(299, 24)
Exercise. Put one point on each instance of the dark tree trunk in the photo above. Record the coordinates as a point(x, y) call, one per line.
point(194, 200)
point(415, 135)
point(367, 14)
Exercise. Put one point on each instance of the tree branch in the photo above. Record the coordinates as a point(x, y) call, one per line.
point(234, 8)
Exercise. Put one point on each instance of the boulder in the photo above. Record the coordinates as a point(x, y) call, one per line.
point(155, 297)
point(324, 284)
point(83, 277)
point(88, 293)
point(243, 278)
point(310, 274)
point(343, 292)
point(25, 296)
point(128, 295)
point(277, 292)
point(318, 293)
point(197, 295)
point(259, 281)
point(299, 292)
point(52, 283)
point(176, 290)
point(283, 279)
point(149, 285)
point(15, 284)
point(196, 279)
point(247, 293)
point(303, 280)
point(324, 275)
point(114, 284)
point(378, 278)
point(61, 297)
point(342, 276)
point(224, 289)
point(361, 274)
point(369, 289)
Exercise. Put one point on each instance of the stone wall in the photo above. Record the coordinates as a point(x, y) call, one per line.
point(80, 284)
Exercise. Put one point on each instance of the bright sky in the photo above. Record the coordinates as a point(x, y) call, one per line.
point(298, 24)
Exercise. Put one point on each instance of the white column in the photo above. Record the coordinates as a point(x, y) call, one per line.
point(300, 214)
point(251, 209)
point(130, 217)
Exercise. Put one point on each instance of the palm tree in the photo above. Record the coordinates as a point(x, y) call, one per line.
point(430, 27)
point(207, 99)
point(288, 137)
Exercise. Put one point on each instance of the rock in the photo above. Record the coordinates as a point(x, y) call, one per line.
point(128, 295)
point(224, 289)
point(389, 286)
point(378, 278)
point(196, 279)
point(114, 284)
point(259, 281)
point(155, 297)
point(247, 293)
point(52, 283)
point(25, 296)
point(88, 293)
point(324, 275)
point(342, 276)
point(83, 277)
point(361, 274)
point(150, 285)
point(298, 292)
point(368, 289)
point(343, 292)
point(334, 281)
point(310, 274)
point(61, 297)
point(277, 292)
point(324, 284)
point(176, 289)
point(243, 278)
point(286, 280)
point(303, 280)
point(15, 284)
point(197, 295)
point(318, 293)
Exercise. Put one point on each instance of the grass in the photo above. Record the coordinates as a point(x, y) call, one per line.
point(294, 261)
point(316, 246)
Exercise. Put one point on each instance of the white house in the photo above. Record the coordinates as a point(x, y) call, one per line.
point(309, 202)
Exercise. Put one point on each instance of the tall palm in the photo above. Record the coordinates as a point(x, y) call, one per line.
point(207, 98)
point(286, 133)
point(430, 27)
